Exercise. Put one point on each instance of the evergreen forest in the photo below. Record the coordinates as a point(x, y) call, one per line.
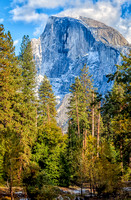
point(34, 153)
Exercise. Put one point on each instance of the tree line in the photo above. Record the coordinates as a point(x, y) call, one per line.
point(34, 153)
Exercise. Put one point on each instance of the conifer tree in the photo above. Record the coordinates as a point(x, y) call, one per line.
point(50, 142)
point(81, 103)
point(80, 122)
point(47, 110)
point(87, 83)
point(27, 104)
point(75, 104)
point(8, 78)
point(117, 110)
point(28, 70)
point(9, 92)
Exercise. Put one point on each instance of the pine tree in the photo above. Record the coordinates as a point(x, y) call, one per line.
point(8, 78)
point(50, 142)
point(80, 120)
point(9, 92)
point(47, 110)
point(81, 104)
point(26, 107)
point(88, 104)
point(117, 110)
point(75, 105)
point(28, 70)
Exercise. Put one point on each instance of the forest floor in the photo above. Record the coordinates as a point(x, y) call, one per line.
point(19, 193)
point(5, 193)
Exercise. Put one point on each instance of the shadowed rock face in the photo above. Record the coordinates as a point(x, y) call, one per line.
point(67, 44)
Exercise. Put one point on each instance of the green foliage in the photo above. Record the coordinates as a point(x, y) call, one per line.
point(9, 94)
point(45, 193)
point(107, 170)
point(26, 111)
point(116, 111)
point(48, 149)
point(50, 146)
point(28, 69)
point(37, 183)
point(80, 123)
point(103, 172)
point(47, 110)
point(33, 151)
point(80, 102)
point(2, 152)
point(8, 80)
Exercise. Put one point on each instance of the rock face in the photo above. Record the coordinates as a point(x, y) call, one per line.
point(105, 33)
point(67, 44)
point(62, 116)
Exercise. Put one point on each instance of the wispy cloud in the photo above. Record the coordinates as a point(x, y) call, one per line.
point(104, 12)
point(1, 20)
point(109, 12)
point(47, 4)
point(16, 42)
point(124, 27)
point(27, 14)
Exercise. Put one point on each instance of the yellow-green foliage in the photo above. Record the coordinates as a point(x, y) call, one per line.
point(107, 170)
point(102, 172)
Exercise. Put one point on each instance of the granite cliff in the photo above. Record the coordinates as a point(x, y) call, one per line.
point(67, 44)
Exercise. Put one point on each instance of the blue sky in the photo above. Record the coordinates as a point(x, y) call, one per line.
point(29, 17)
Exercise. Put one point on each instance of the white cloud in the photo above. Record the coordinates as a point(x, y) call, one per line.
point(46, 3)
point(1, 20)
point(120, 2)
point(104, 12)
point(27, 14)
point(124, 27)
point(16, 42)
point(128, 35)
point(101, 11)
point(108, 12)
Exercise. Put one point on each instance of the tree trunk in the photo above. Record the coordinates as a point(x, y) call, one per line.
point(121, 149)
point(93, 115)
point(48, 113)
point(77, 117)
point(85, 138)
point(11, 192)
point(121, 155)
point(84, 143)
point(98, 130)
point(11, 182)
point(81, 188)
point(130, 160)
point(36, 116)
